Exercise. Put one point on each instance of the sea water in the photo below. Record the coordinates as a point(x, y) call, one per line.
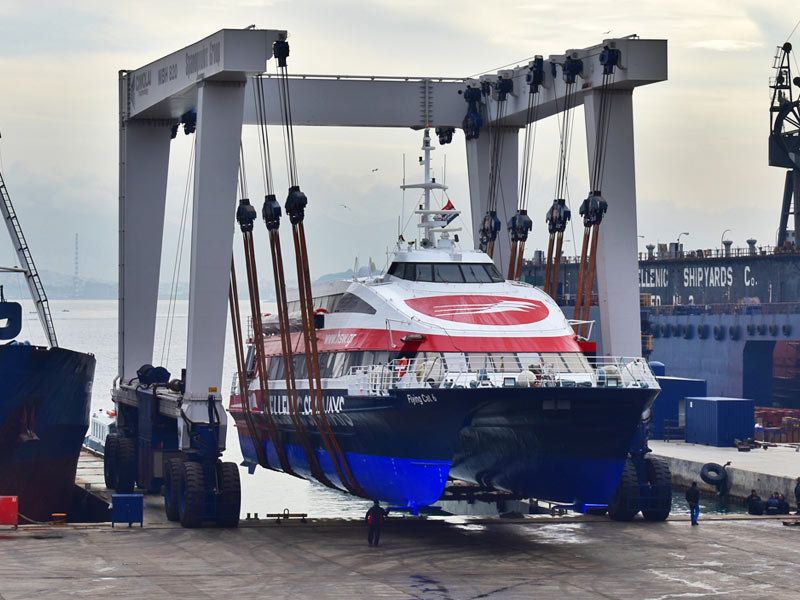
point(92, 326)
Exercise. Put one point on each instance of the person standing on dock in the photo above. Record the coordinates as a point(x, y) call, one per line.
point(797, 496)
point(693, 498)
point(375, 518)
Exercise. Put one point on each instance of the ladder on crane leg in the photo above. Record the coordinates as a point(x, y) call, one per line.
point(27, 265)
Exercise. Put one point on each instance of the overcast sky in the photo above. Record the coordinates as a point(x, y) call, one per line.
point(701, 152)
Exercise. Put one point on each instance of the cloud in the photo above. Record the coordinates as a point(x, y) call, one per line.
point(726, 45)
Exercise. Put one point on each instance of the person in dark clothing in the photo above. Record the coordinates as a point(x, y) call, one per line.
point(693, 498)
point(375, 517)
point(771, 506)
point(755, 506)
point(797, 495)
point(783, 505)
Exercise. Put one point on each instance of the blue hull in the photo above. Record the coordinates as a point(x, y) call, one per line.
point(560, 444)
point(44, 414)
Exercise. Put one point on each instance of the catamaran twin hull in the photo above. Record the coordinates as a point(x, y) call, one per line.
point(566, 444)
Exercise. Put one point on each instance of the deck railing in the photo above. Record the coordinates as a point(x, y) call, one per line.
point(500, 371)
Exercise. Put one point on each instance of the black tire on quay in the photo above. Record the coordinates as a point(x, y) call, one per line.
point(126, 466)
point(192, 490)
point(659, 477)
point(172, 488)
point(624, 504)
point(713, 474)
point(110, 457)
point(230, 500)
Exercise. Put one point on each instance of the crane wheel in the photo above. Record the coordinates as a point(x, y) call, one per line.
point(126, 465)
point(229, 501)
point(110, 458)
point(172, 488)
point(192, 490)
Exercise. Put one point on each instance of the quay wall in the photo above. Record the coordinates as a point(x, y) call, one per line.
point(740, 481)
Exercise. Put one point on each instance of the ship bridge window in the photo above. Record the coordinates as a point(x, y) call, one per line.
point(447, 272)
point(327, 302)
point(424, 272)
point(493, 362)
point(275, 368)
point(350, 303)
point(566, 362)
point(343, 361)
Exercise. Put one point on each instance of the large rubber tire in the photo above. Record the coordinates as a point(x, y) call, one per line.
point(230, 500)
point(126, 465)
point(172, 488)
point(192, 490)
point(623, 506)
point(659, 504)
point(714, 474)
point(110, 460)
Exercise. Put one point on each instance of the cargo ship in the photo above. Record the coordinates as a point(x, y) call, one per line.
point(441, 369)
point(45, 393)
point(728, 315)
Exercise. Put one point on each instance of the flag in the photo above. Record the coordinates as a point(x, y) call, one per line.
point(448, 217)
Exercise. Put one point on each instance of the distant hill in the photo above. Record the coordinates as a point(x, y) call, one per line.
point(59, 286)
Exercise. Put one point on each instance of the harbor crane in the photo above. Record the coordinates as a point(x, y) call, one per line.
point(176, 429)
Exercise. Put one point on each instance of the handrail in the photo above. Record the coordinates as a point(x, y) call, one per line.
point(493, 370)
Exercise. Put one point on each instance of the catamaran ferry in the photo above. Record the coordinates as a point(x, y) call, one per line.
point(440, 369)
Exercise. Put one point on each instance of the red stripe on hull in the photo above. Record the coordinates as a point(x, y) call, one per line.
point(333, 340)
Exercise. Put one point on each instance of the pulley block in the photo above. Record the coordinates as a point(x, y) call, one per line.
point(271, 212)
point(520, 225)
point(245, 215)
point(609, 58)
point(535, 76)
point(558, 215)
point(296, 205)
point(473, 121)
point(489, 228)
point(592, 209)
point(571, 69)
point(445, 134)
point(280, 50)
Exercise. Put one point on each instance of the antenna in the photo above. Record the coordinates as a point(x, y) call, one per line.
point(403, 210)
point(76, 277)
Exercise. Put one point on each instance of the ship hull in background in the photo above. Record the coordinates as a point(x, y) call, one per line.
point(731, 320)
point(44, 414)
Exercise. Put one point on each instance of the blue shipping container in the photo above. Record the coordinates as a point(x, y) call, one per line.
point(669, 404)
point(718, 421)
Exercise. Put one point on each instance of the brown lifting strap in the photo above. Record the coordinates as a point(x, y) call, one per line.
point(312, 359)
point(288, 361)
point(244, 391)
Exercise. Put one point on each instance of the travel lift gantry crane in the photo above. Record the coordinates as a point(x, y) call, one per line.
point(174, 432)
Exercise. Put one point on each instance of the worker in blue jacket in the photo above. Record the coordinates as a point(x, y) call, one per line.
point(375, 517)
point(771, 507)
point(693, 498)
point(783, 505)
point(755, 506)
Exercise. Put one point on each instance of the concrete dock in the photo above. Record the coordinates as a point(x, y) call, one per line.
point(772, 470)
point(423, 559)
point(435, 558)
